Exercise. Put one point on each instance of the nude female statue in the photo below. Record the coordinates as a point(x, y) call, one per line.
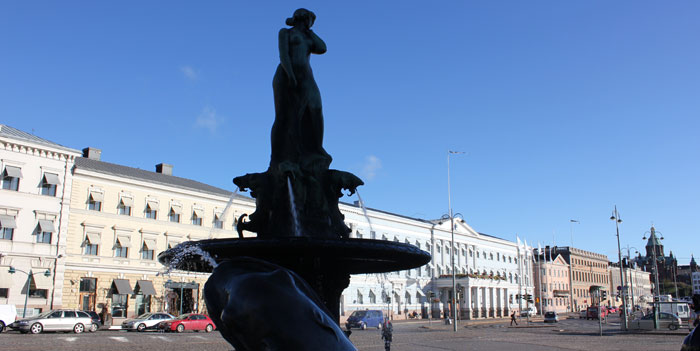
point(297, 133)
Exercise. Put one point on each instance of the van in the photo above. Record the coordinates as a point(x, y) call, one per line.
point(8, 314)
point(365, 319)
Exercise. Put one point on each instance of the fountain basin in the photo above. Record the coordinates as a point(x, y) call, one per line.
point(349, 256)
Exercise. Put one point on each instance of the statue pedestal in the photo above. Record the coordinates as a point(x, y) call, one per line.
point(325, 264)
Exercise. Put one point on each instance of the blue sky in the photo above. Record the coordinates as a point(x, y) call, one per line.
point(565, 108)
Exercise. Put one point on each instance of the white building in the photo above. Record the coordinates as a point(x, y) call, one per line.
point(34, 207)
point(638, 284)
point(695, 278)
point(490, 271)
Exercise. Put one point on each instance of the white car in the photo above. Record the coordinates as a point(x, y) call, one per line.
point(146, 321)
point(531, 312)
point(8, 314)
point(666, 321)
point(55, 320)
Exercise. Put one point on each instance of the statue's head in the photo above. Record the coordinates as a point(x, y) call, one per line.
point(302, 17)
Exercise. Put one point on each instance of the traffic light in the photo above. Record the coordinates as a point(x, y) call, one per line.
point(604, 294)
point(518, 296)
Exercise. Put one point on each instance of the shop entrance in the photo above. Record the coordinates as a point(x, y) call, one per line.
point(182, 297)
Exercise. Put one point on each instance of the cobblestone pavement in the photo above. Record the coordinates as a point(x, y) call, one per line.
point(571, 334)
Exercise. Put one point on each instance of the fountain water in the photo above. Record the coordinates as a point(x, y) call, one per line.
point(364, 209)
point(225, 212)
point(293, 209)
point(189, 256)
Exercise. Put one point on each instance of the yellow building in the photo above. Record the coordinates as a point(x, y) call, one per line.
point(121, 219)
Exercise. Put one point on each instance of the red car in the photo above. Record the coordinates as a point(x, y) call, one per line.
point(189, 321)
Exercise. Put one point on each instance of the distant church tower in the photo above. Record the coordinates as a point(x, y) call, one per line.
point(654, 242)
point(693, 264)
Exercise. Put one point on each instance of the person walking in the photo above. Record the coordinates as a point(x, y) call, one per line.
point(512, 319)
point(387, 331)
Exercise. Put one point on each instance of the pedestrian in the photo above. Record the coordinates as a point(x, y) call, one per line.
point(512, 319)
point(387, 331)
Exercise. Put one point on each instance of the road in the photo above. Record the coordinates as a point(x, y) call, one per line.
point(572, 334)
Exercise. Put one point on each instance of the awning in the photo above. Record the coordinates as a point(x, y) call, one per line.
point(97, 196)
point(176, 209)
point(93, 238)
point(7, 222)
point(51, 178)
point(127, 201)
point(420, 292)
point(124, 241)
point(145, 287)
point(219, 215)
point(14, 172)
point(198, 212)
point(152, 204)
point(46, 226)
point(149, 244)
point(121, 287)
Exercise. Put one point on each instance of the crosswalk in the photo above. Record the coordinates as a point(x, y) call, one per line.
point(126, 339)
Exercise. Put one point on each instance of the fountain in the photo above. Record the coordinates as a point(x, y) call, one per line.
point(281, 289)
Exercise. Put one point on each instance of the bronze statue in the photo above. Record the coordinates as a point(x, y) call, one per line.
point(298, 160)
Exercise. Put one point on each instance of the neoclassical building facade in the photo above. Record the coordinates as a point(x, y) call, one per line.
point(490, 272)
point(34, 206)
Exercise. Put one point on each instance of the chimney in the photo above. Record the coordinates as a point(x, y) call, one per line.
point(92, 153)
point(164, 168)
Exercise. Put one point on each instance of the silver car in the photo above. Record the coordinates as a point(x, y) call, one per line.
point(146, 321)
point(666, 321)
point(55, 320)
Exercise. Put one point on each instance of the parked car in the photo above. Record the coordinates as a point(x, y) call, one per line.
point(55, 320)
point(530, 311)
point(146, 321)
point(583, 314)
point(189, 321)
point(365, 319)
point(551, 317)
point(8, 314)
point(666, 321)
point(96, 321)
point(592, 312)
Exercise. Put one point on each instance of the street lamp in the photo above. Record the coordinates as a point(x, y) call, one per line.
point(652, 237)
point(632, 274)
point(616, 217)
point(452, 230)
point(29, 274)
point(571, 267)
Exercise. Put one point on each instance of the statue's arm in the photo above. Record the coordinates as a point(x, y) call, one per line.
point(319, 47)
point(284, 55)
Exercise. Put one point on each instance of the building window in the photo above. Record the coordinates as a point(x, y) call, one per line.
point(174, 215)
point(125, 205)
point(151, 213)
point(7, 227)
point(49, 183)
point(88, 285)
point(119, 305)
point(372, 235)
point(148, 249)
point(38, 293)
point(218, 222)
point(95, 201)
point(10, 178)
point(43, 231)
point(121, 247)
point(4, 292)
point(372, 297)
point(91, 244)
point(196, 220)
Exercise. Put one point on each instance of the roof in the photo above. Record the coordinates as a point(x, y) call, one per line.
point(148, 176)
point(13, 133)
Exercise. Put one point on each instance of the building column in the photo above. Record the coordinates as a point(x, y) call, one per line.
point(465, 306)
point(492, 305)
point(506, 303)
point(476, 307)
point(484, 309)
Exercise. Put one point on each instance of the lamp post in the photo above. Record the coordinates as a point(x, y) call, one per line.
point(452, 231)
point(616, 217)
point(571, 267)
point(632, 274)
point(652, 237)
point(29, 274)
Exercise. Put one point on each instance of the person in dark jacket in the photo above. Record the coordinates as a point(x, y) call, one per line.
point(512, 319)
point(387, 331)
